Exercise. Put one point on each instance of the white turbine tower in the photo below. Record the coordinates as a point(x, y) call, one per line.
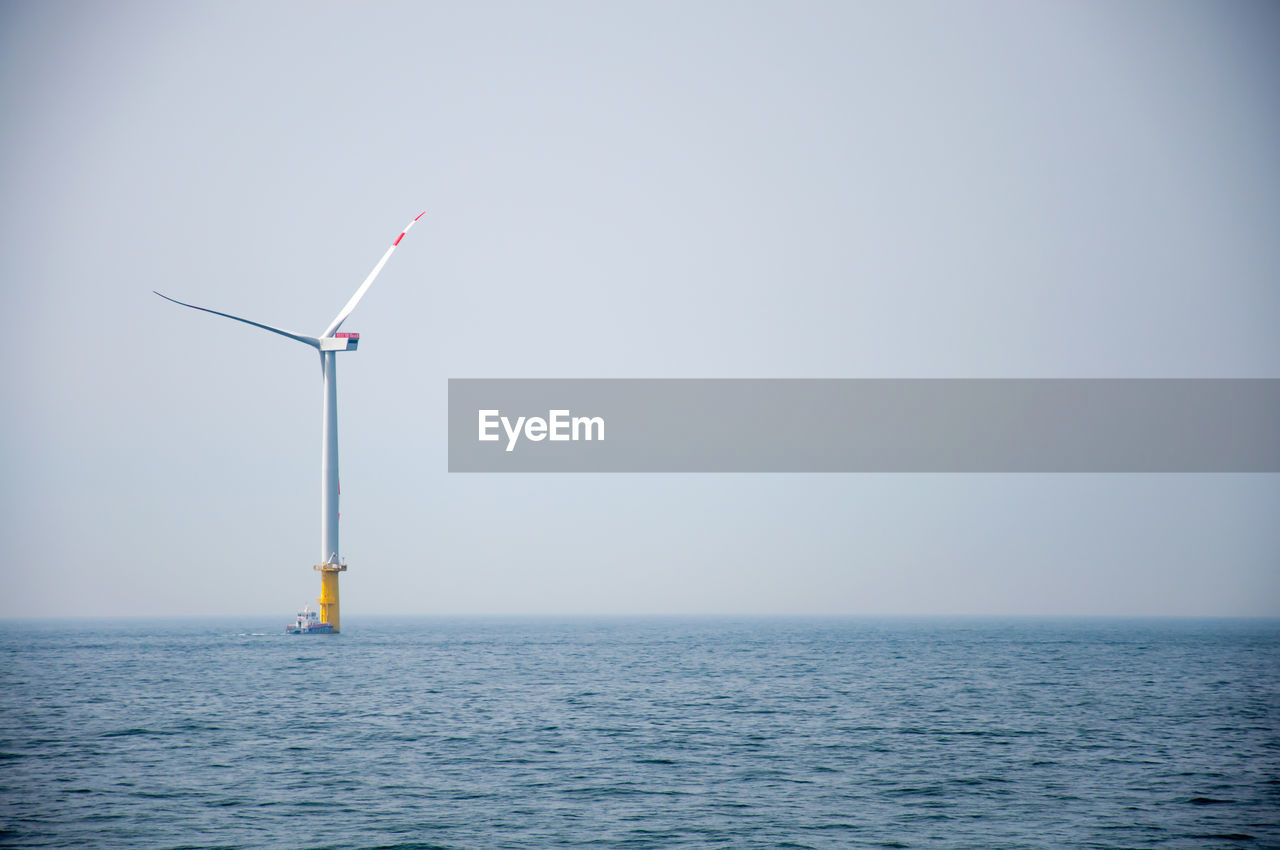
point(328, 344)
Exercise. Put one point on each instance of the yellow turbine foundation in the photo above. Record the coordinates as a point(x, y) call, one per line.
point(329, 594)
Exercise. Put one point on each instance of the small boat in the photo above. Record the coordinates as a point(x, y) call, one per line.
point(308, 623)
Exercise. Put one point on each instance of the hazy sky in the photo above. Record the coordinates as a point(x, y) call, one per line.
point(646, 189)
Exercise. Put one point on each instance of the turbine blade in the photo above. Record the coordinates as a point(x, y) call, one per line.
point(309, 340)
point(368, 281)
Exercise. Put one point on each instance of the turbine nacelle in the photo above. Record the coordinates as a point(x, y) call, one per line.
point(341, 341)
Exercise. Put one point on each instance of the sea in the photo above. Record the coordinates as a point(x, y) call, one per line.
point(656, 732)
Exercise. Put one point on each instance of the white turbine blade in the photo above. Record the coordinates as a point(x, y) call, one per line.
point(309, 340)
point(368, 281)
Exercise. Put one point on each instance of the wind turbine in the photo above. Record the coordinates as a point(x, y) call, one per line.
point(328, 344)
